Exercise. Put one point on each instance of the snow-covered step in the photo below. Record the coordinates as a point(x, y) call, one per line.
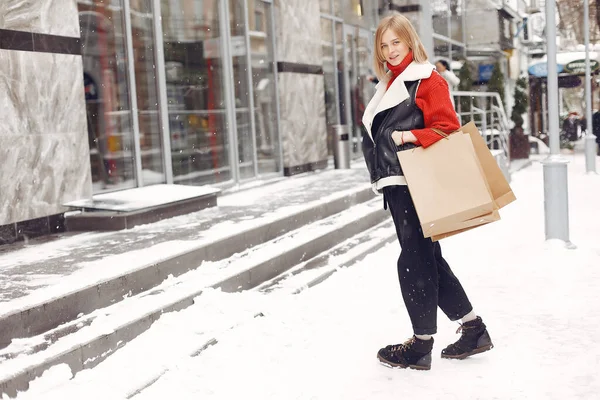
point(125, 275)
point(92, 338)
point(133, 369)
point(314, 271)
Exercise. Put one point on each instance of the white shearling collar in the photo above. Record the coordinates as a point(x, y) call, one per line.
point(396, 94)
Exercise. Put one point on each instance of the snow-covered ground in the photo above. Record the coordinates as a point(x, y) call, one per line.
point(540, 300)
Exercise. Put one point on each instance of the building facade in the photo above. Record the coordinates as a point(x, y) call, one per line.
point(107, 95)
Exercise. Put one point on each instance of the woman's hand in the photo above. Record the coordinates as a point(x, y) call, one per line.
point(403, 137)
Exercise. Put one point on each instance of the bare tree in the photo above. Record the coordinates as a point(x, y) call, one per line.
point(570, 24)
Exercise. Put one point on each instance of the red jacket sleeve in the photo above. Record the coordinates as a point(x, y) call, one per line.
point(433, 98)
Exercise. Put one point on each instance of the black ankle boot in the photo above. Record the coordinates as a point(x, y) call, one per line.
point(474, 339)
point(414, 353)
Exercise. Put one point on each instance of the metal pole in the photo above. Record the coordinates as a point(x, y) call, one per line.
point(590, 139)
point(556, 199)
point(163, 102)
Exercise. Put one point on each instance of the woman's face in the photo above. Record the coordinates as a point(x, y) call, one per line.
point(394, 50)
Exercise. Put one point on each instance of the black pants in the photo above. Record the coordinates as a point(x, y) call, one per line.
point(426, 280)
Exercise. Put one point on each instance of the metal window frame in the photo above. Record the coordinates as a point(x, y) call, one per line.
point(276, 85)
point(356, 32)
point(334, 60)
point(335, 65)
point(161, 81)
point(225, 36)
point(347, 30)
point(228, 87)
point(334, 21)
point(137, 151)
point(250, 87)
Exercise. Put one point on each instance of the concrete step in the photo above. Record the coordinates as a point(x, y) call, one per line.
point(88, 339)
point(48, 313)
point(128, 208)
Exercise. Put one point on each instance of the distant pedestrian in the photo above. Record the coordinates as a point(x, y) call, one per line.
point(443, 68)
point(596, 128)
point(569, 127)
point(583, 126)
point(411, 99)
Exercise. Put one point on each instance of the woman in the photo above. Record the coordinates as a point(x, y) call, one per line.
point(411, 98)
point(443, 68)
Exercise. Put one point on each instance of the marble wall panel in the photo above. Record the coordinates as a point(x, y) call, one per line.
point(41, 93)
point(303, 126)
point(53, 17)
point(40, 172)
point(43, 134)
point(299, 31)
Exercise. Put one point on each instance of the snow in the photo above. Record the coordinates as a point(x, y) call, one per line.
point(538, 298)
point(48, 250)
point(143, 197)
point(91, 273)
point(566, 57)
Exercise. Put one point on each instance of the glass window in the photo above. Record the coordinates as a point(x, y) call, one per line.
point(329, 72)
point(457, 25)
point(246, 148)
point(142, 31)
point(440, 10)
point(325, 6)
point(337, 8)
point(357, 12)
point(365, 75)
point(259, 20)
point(263, 87)
point(441, 49)
point(195, 94)
point(107, 89)
point(330, 76)
point(339, 51)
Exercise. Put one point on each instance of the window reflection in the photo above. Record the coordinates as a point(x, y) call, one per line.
point(195, 94)
point(108, 109)
point(330, 75)
point(142, 27)
point(441, 14)
point(263, 85)
point(456, 16)
point(342, 90)
point(246, 148)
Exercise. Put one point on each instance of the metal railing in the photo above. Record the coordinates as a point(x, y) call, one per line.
point(486, 110)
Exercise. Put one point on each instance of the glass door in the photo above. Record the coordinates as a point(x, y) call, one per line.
point(195, 76)
point(107, 95)
point(146, 91)
point(357, 88)
point(261, 34)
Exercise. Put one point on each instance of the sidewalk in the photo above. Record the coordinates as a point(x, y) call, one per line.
point(42, 268)
point(539, 299)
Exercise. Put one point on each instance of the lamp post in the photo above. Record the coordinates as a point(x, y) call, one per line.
point(590, 139)
point(556, 199)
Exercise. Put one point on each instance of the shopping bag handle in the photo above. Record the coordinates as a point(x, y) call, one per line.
point(439, 132)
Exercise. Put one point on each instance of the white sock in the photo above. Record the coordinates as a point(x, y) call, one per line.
point(424, 337)
point(469, 317)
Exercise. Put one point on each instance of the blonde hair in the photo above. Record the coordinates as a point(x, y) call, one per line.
point(406, 32)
